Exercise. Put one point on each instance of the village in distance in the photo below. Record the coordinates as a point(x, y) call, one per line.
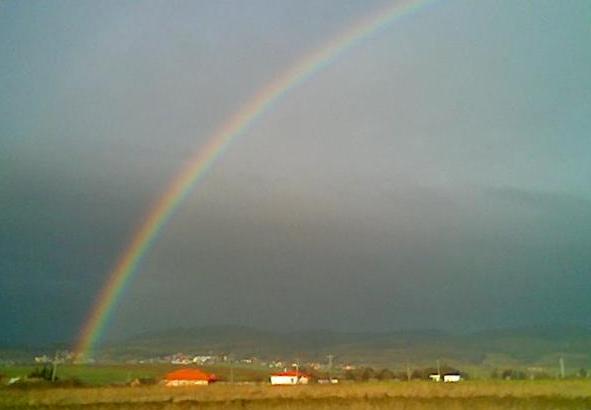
point(239, 355)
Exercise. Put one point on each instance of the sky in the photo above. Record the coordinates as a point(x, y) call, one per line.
point(435, 175)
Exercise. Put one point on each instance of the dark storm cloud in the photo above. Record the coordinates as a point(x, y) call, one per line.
point(463, 260)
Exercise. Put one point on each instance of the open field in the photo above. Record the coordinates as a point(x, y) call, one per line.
point(379, 395)
point(123, 373)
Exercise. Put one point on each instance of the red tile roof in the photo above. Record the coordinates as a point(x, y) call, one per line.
point(190, 374)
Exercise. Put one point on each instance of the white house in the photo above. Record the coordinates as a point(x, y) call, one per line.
point(452, 378)
point(447, 378)
point(289, 378)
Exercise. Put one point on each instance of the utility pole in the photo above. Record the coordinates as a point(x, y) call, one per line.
point(54, 367)
point(231, 359)
point(561, 361)
point(232, 372)
point(438, 370)
point(330, 357)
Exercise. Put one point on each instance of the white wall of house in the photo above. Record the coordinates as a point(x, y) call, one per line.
point(288, 380)
point(175, 383)
point(277, 380)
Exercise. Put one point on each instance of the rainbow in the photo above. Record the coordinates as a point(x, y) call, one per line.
point(180, 187)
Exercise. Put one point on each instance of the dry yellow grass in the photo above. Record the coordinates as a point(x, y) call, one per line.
point(414, 395)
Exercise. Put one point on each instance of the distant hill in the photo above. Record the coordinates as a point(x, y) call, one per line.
point(534, 346)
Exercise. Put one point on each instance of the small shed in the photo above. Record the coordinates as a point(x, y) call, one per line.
point(446, 378)
point(189, 377)
point(289, 378)
point(452, 378)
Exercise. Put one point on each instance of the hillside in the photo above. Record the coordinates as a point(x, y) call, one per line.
point(522, 347)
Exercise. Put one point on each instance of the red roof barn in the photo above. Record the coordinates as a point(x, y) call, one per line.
point(189, 377)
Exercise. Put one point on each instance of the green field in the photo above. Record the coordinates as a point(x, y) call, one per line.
point(122, 374)
point(417, 395)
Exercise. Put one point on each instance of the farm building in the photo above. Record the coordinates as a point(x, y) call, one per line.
point(188, 377)
point(447, 378)
point(289, 378)
point(452, 378)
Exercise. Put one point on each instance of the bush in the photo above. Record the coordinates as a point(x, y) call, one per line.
point(368, 374)
point(511, 374)
point(148, 381)
point(44, 373)
point(385, 374)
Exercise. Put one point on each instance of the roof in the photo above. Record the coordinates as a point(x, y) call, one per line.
point(291, 373)
point(190, 374)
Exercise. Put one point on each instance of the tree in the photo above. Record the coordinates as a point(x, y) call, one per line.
point(349, 375)
point(385, 374)
point(368, 374)
point(45, 373)
point(511, 374)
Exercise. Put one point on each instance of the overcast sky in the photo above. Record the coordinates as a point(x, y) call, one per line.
point(436, 175)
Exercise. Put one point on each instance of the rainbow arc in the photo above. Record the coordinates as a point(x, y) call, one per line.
point(188, 177)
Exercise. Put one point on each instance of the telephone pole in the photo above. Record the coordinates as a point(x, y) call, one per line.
point(54, 367)
point(562, 372)
point(231, 360)
point(330, 357)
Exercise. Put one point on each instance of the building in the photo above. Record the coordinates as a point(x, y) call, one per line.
point(447, 378)
point(188, 377)
point(452, 378)
point(203, 359)
point(328, 381)
point(289, 378)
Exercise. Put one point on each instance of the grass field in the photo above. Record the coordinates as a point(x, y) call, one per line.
point(121, 374)
point(476, 395)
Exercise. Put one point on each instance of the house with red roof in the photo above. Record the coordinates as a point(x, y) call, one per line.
point(189, 377)
point(289, 378)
